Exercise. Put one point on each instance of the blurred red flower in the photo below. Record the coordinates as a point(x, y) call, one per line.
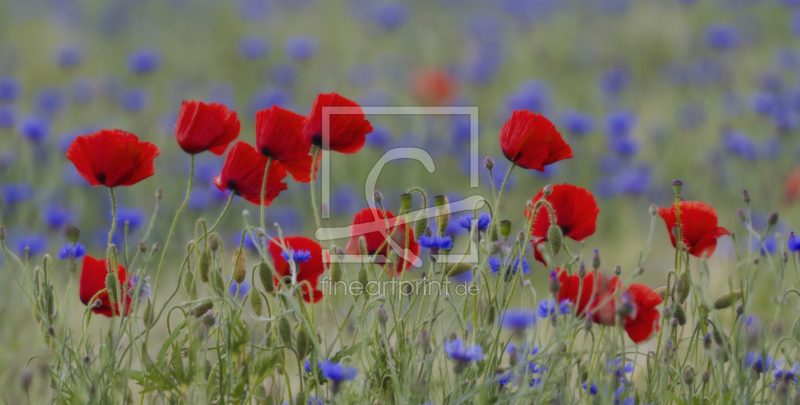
point(278, 137)
point(112, 157)
point(348, 127)
point(243, 175)
point(433, 86)
point(791, 186)
point(575, 209)
point(536, 243)
point(93, 280)
point(371, 223)
point(309, 266)
point(532, 141)
point(699, 225)
point(206, 127)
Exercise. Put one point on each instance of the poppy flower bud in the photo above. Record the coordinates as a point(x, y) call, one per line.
point(405, 201)
point(260, 233)
point(676, 232)
point(209, 319)
point(718, 338)
point(679, 314)
point(707, 341)
point(336, 271)
point(653, 210)
point(554, 236)
point(705, 377)
point(303, 343)
point(617, 270)
point(255, 302)
point(156, 247)
point(213, 243)
point(587, 324)
point(742, 214)
point(285, 331)
point(490, 315)
point(112, 285)
point(488, 163)
point(420, 225)
point(521, 236)
point(582, 270)
point(458, 269)
point(266, 276)
point(204, 265)
point(189, 285)
point(494, 233)
point(505, 228)
point(378, 197)
point(362, 245)
point(382, 316)
point(684, 286)
point(677, 185)
point(667, 313)
point(72, 233)
point(746, 196)
point(159, 194)
point(239, 270)
point(547, 190)
point(202, 309)
point(363, 278)
point(727, 299)
point(596, 260)
point(443, 211)
point(688, 376)
point(142, 246)
point(300, 398)
point(772, 219)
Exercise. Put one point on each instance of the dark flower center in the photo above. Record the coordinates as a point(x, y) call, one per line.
point(101, 178)
point(233, 188)
point(564, 230)
point(265, 151)
point(316, 139)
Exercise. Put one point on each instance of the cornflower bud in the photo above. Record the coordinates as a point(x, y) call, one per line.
point(772, 219)
point(617, 270)
point(596, 260)
point(159, 194)
point(72, 233)
point(378, 197)
point(547, 190)
point(213, 243)
point(746, 196)
point(488, 163)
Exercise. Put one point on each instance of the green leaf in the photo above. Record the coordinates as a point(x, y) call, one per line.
point(162, 354)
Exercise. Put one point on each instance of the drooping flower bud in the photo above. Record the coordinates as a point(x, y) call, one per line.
point(554, 236)
point(189, 285)
point(112, 285)
point(204, 266)
point(420, 225)
point(285, 331)
point(363, 278)
point(202, 309)
point(303, 343)
point(255, 302)
point(266, 276)
point(661, 291)
point(443, 212)
point(680, 314)
point(684, 287)
point(727, 299)
point(405, 202)
point(239, 269)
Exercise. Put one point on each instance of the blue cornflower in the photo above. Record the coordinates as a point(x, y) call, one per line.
point(615, 80)
point(436, 242)
point(577, 123)
point(624, 145)
point(8, 116)
point(143, 61)
point(632, 180)
point(251, 47)
point(504, 379)
point(793, 243)
point(759, 363)
point(532, 95)
point(55, 216)
point(619, 367)
point(35, 243)
point(134, 100)
point(741, 145)
point(10, 88)
point(619, 123)
point(299, 256)
point(769, 245)
point(266, 98)
point(784, 375)
point(483, 221)
point(135, 217)
point(549, 307)
point(337, 372)
point(307, 365)
point(525, 350)
point(518, 319)
point(15, 193)
point(496, 264)
point(34, 128)
point(592, 389)
point(72, 251)
point(462, 354)
point(239, 291)
point(723, 36)
point(69, 56)
point(49, 101)
point(391, 15)
point(139, 285)
point(301, 47)
point(380, 136)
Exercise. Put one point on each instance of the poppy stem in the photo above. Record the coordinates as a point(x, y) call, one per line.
point(113, 214)
point(500, 196)
point(313, 179)
point(222, 214)
point(264, 191)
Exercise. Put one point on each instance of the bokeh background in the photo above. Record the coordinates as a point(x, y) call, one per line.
point(644, 91)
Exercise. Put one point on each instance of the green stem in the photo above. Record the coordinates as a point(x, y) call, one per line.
point(222, 214)
point(500, 196)
point(313, 179)
point(264, 191)
point(113, 214)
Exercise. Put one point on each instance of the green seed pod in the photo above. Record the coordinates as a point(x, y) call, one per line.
point(301, 398)
point(205, 265)
point(677, 185)
point(443, 212)
point(555, 237)
point(112, 285)
point(303, 343)
point(727, 299)
point(270, 338)
point(458, 269)
point(680, 314)
point(683, 292)
point(718, 338)
point(239, 269)
point(505, 228)
point(217, 283)
point(189, 285)
point(405, 202)
point(363, 278)
point(255, 302)
point(202, 309)
point(420, 225)
point(147, 317)
point(72, 233)
point(49, 302)
point(285, 331)
point(266, 277)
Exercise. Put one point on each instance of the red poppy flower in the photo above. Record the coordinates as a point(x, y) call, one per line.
point(575, 208)
point(433, 86)
point(791, 186)
point(243, 175)
point(699, 223)
point(532, 141)
point(347, 126)
point(598, 300)
point(206, 127)
point(278, 137)
point(371, 224)
point(93, 280)
point(308, 256)
point(536, 243)
point(112, 158)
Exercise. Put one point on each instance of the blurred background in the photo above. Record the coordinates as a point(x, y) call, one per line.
point(644, 91)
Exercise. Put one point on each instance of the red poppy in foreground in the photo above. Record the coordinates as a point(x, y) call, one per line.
point(307, 256)
point(598, 299)
point(532, 141)
point(278, 137)
point(371, 224)
point(243, 175)
point(206, 127)
point(699, 227)
point(93, 280)
point(575, 208)
point(112, 157)
point(433, 86)
point(347, 126)
point(537, 244)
